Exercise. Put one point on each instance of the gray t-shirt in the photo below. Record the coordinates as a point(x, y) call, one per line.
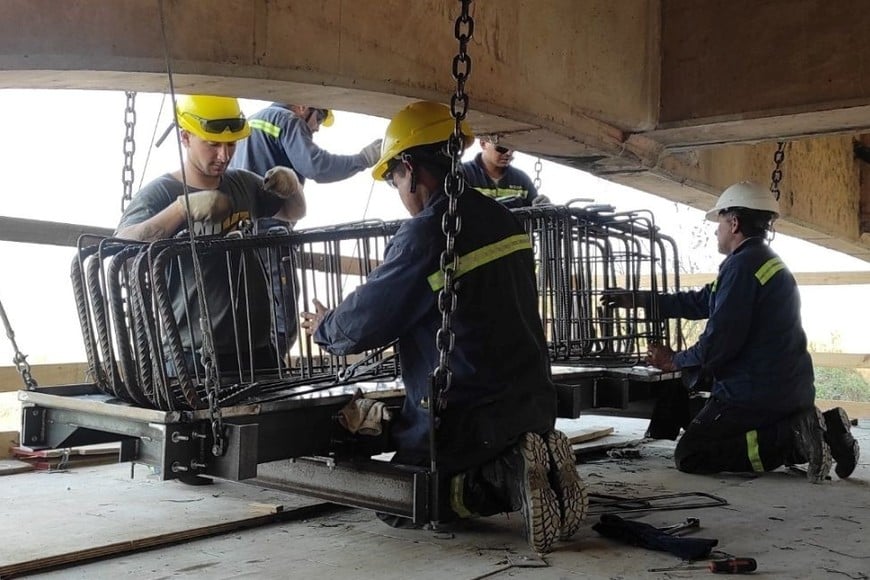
point(225, 293)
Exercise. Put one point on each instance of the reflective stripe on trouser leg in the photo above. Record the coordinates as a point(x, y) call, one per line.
point(753, 452)
point(457, 483)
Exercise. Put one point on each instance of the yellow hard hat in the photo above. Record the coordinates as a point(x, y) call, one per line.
point(211, 118)
point(420, 123)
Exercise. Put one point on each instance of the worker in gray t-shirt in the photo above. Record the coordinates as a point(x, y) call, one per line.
point(218, 200)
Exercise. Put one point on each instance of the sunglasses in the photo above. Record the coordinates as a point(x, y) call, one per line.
point(217, 126)
point(388, 176)
point(502, 149)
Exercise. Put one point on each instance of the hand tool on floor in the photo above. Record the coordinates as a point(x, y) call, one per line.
point(725, 566)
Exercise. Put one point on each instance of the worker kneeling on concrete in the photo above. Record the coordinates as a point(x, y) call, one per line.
point(761, 413)
point(497, 450)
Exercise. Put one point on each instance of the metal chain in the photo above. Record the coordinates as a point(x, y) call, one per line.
point(19, 359)
point(776, 175)
point(538, 167)
point(129, 148)
point(451, 224)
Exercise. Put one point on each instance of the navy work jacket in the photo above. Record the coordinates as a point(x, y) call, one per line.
point(501, 386)
point(278, 137)
point(754, 345)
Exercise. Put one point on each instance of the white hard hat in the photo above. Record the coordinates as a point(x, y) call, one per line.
point(745, 194)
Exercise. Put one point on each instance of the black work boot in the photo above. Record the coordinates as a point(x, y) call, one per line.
point(809, 431)
point(844, 448)
point(565, 481)
point(530, 491)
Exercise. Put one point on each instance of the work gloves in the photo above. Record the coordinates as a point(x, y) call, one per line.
point(209, 205)
point(541, 200)
point(284, 183)
point(364, 416)
point(371, 152)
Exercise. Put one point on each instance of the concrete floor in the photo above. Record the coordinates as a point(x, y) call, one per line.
point(792, 528)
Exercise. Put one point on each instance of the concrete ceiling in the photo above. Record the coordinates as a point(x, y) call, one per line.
point(676, 97)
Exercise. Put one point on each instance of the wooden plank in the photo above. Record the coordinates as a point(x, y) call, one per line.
point(13, 466)
point(8, 440)
point(855, 410)
point(324, 263)
point(841, 360)
point(588, 434)
point(803, 279)
point(42, 232)
point(273, 514)
point(44, 374)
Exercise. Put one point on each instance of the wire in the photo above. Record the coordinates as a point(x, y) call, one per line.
point(151, 145)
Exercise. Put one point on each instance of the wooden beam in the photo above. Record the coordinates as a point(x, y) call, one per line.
point(47, 374)
point(841, 360)
point(803, 279)
point(262, 515)
point(41, 232)
point(855, 410)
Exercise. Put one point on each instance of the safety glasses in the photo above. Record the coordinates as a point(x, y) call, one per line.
point(218, 126)
point(502, 150)
point(388, 176)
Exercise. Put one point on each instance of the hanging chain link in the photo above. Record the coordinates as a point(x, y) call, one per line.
point(537, 181)
point(776, 175)
point(19, 359)
point(129, 148)
point(454, 185)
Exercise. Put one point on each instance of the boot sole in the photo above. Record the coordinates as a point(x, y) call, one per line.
point(570, 488)
point(540, 507)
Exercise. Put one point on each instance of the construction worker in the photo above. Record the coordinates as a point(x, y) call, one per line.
point(761, 413)
point(219, 199)
point(283, 135)
point(491, 173)
point(496, 443)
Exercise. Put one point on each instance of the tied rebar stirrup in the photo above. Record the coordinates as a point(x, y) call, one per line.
point(776, 175)
point(208, 355)
point(19, 359)
point(127, 174)
point(454, 185)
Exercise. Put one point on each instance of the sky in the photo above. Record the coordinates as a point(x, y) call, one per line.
point(63, 160)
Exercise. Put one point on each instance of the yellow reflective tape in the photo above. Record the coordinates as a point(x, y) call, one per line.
point(767, 271)
point(498, 192)
point(713, 287)
point(753, 452)
point(457, 504)
point(482, 256)
point(265, 127)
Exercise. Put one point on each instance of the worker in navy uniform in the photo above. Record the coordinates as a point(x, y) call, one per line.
point(496, 445)
point(761, 413)
point(491, 173)
point(283, 135)
point(220, 199)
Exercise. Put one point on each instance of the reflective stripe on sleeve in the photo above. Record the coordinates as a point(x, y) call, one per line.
point(767, 271)
point(482, 256)
point(265, 127)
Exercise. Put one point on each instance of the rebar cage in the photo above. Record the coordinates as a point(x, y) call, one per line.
point(138, 303)
point(580, 254)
